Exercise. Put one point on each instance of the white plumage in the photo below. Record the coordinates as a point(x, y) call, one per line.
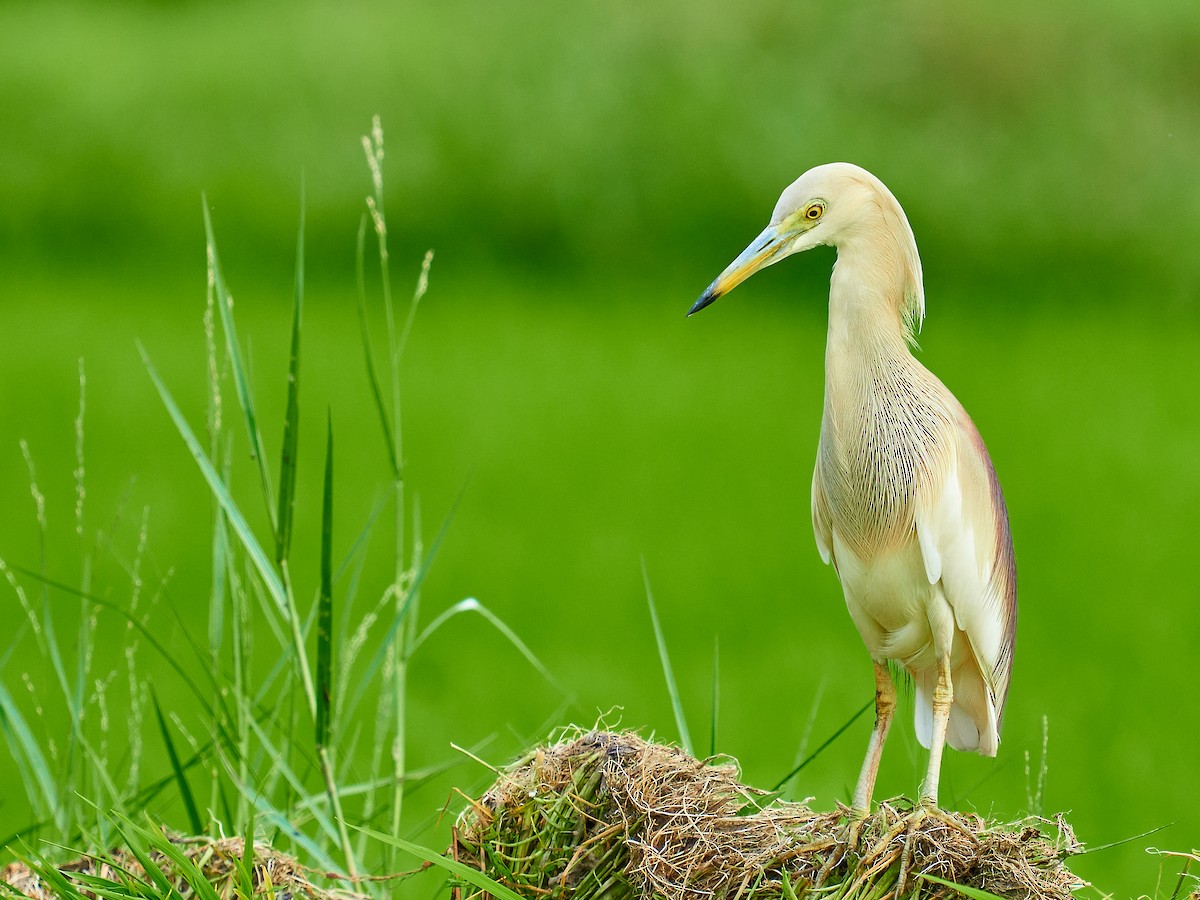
point(905, 501)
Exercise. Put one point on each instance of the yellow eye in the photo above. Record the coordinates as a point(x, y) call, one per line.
point(814, 211)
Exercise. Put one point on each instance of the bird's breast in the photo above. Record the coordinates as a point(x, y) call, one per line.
point(884, 445)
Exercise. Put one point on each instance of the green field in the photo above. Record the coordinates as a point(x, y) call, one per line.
point(582, 174)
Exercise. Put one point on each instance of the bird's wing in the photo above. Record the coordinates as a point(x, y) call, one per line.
point(966, 545)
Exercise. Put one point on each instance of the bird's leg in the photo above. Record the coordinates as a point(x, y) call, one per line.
point(885, 706)
point(943, 697)
point(912, 825)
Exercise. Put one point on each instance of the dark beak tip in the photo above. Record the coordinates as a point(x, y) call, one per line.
point(705, 299)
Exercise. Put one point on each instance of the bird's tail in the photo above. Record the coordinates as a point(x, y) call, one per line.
point(973, 721)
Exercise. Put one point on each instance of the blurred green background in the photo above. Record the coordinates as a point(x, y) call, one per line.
point(582, 171)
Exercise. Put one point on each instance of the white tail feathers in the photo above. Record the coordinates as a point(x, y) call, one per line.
point(924, 681)
point(972, 724)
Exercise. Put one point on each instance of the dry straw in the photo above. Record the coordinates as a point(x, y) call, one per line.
point(610, 816)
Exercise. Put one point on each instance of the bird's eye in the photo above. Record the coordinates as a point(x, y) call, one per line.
point(814, 211)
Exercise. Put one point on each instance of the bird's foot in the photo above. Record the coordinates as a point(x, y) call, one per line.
point(913, 824)
point(855, 828)
point(898, 843)
point(951, 821)
point(845, 846)
point(925, 821)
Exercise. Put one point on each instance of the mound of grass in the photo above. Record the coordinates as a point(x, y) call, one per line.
point(610, 815)
point(180, 867)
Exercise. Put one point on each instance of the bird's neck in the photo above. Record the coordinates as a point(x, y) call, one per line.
point(866, 326)
point(869, 369)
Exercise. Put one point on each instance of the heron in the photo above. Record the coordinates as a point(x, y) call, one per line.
point(906, 505)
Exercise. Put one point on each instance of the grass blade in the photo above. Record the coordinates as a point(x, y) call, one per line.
point(716, 696)
point(26, 752)
point(401, 614)
point(360, 542)
point(185, 789)
point(973, 893)
point(279, 591)
point(1128, 840)
point(139, 799)
point(245, 865)
point(829, 740)
point(153, 872)
point(685, 738)
point(138, 625)
point(241, 527)
point(368, 357)
point(202, 889)
point(241, 379)
point(473, 605)
point(290, 776)
point(325, 603)
point(291, 424)
point(54, 879)
point(454, 867)
point(7, 891)
point(789, 892)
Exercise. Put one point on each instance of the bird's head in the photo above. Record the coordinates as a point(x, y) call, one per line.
point(824, 206)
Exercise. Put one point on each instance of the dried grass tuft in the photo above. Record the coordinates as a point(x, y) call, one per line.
point(609, 816)
point(274, 874)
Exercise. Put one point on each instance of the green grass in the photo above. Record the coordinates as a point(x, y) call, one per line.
point(582, 175)
point(605, 428)
point(274, 736)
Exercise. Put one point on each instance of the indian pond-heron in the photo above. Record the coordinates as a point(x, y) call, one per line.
point(906, 505)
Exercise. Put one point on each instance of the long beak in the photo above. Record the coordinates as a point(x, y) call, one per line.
point(768, 247)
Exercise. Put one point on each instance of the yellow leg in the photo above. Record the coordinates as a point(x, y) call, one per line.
point(943, 698)
point(885, 706)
